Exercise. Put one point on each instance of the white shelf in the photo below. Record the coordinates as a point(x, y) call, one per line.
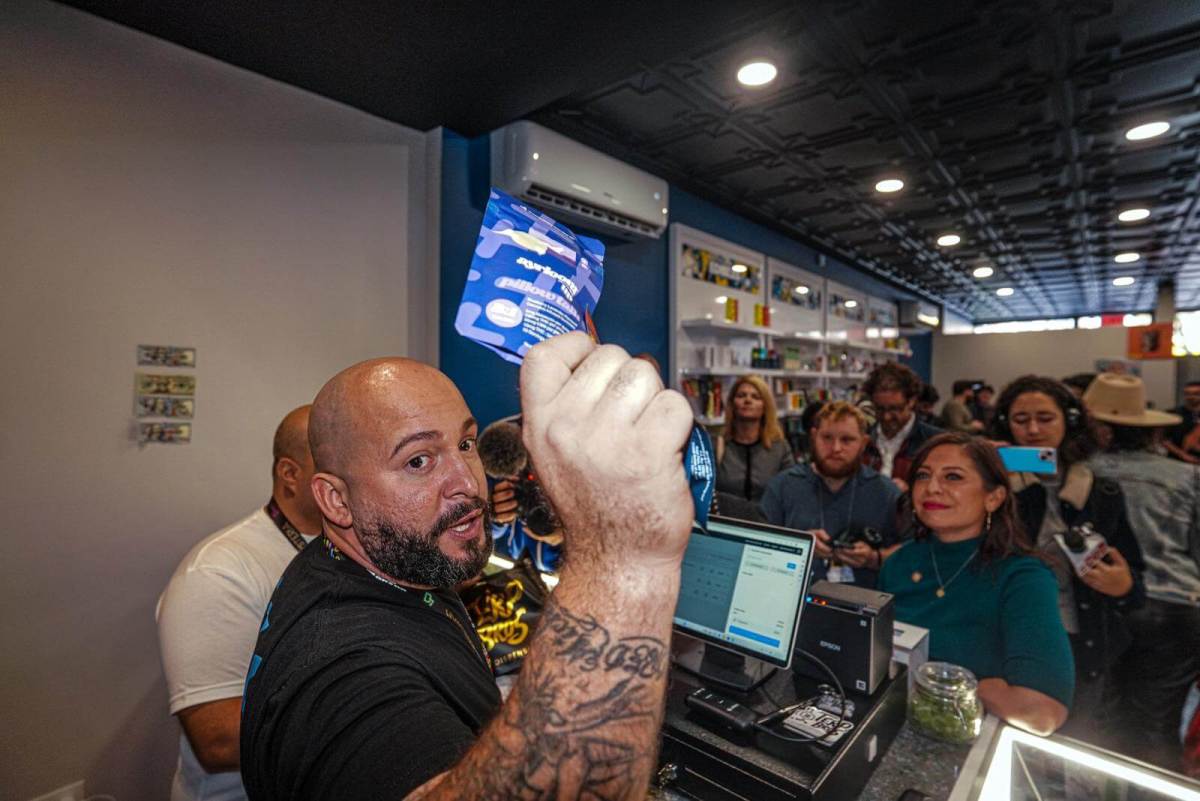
point(784, 336)
point(715, 326)
point(846, 343)
point(710, 421)
point(761, 371)
point(846, 376)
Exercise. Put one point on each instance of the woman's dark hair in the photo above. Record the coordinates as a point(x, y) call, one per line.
point(1131, 438)
point(1006, 537)
point(1079, 440)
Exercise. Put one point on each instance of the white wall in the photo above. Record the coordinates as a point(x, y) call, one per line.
point(999, 358)
point(152, 195)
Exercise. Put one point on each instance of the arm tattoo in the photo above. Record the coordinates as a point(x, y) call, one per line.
point(582, 722)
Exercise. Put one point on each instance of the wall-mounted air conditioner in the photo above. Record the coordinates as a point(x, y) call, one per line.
point(577, 184)
point(919, 314)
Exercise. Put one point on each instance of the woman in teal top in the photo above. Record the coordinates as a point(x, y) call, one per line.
point(969, 577)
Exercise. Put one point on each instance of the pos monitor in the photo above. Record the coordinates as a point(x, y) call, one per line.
point(740, 596)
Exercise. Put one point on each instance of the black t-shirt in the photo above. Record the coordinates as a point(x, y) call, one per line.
point(357, 688)
point(1177, 432)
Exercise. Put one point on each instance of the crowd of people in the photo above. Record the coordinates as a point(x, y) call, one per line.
point(318, 649)
point(923, 507)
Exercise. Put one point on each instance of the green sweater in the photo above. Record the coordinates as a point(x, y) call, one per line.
point(1000, 620)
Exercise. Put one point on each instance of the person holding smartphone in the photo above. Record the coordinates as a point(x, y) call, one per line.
point(1064, 508)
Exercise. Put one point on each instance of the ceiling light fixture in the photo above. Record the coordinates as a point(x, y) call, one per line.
point(948, 240)
point(1004, 291)
point(1124, 280)
point(801, 290)
point(1126, 258)
point(720, 299)
point(739, 268)
point(983, 272)
point(889, 185)
point(1147, 130)
point(756, 73)
point(1133, 215)
point(850, 304)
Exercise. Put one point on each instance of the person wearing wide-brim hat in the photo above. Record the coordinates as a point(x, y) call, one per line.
point(1162, 499)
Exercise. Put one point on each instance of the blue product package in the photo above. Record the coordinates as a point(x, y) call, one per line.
point(531, 279)
point(701, 470)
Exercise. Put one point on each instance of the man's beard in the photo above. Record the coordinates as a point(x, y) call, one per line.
point(845, 471)
point(414, 557)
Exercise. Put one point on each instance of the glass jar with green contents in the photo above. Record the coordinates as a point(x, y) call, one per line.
point(943, 703)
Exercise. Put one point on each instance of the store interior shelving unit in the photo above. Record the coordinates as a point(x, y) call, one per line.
point(735, 312)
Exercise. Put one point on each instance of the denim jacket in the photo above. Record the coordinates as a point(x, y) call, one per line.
point(1162, 499)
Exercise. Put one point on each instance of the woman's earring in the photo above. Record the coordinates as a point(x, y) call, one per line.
point(987, 526)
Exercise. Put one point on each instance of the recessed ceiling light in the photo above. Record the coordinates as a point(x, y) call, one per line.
point(1147, 130)
point(720, 298)
point(756, 73)
point(889, 185)
point(801, 290)
point(1126, 258)
point(850, 304)
point(1133, 215)
point(948, 240)
point(664, 210)
point(1124, 280)
point(1004, 291)
point(536, 156)
point(983, 272)
point(739, 268)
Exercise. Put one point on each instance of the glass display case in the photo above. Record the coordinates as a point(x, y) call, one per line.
point(1007, 764)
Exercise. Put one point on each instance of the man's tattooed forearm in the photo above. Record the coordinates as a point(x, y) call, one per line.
point(582, 721)
point(582, 640)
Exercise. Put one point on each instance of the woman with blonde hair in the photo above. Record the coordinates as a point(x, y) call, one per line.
point(752, 448)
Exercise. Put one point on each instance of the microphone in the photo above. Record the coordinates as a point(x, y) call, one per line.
point(502, 451)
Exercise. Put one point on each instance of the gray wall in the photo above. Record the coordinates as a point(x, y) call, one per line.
point(999, 358)
point(149, 194)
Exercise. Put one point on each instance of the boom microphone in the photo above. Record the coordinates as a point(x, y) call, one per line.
point(502, 451)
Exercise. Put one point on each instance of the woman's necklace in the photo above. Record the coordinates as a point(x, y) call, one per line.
point(942, 585)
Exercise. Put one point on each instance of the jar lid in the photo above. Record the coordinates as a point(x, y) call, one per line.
point(946, 680)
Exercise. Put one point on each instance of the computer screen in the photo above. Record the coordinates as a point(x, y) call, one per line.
point(742, 587)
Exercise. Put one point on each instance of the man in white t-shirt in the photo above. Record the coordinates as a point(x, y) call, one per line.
point(209, 615)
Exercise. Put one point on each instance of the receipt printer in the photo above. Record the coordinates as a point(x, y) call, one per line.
point(850, 630)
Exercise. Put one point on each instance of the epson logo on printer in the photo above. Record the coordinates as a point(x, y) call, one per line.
point(831, 646)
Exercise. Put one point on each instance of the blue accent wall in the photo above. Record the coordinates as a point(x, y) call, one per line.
point(633, 307)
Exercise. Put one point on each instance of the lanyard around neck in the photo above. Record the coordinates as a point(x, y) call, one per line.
point(821, 488)
point(284, 525)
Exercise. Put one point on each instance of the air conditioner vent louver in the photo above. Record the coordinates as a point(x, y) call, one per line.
point(576, 184)
point(545, 197)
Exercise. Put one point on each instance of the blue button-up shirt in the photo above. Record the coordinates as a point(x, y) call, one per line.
point(799, 498)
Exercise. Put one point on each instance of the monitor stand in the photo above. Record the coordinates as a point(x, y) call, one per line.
point(721, 666)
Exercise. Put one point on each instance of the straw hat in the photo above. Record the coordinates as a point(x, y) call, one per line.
point(1121, 400)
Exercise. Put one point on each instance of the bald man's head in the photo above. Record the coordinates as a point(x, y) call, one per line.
point(348, 410)
point(291, 437)
point(398, 475)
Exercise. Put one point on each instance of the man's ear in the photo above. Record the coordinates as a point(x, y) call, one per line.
point(288, 472)
point(332, 498)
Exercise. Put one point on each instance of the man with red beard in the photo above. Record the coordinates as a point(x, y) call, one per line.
point(843, 502)
point(368, 679)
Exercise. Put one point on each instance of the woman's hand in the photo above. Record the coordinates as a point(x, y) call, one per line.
point(1111, 576)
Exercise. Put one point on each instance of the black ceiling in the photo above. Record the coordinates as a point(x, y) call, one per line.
point(472, 66)
point(1004, 118)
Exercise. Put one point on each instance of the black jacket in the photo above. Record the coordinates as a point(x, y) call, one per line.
point(1103, 633)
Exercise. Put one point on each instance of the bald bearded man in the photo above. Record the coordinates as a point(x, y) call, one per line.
point(208, 617)
point(368, 679)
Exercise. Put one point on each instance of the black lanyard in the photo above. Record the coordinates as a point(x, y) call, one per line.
point(284, 525)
